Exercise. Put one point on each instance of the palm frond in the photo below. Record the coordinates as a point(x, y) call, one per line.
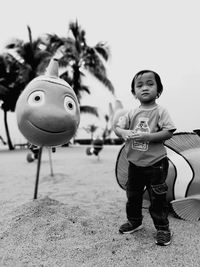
point(103, 79)
point(90, 110)
point(53, 42)
point(30, 34)
point(14, 43)
point(78, 34)
point(3, 92)
point(86, 89)
point(103, 50)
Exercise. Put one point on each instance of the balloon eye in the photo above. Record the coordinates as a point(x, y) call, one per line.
point(36, 98)
point(69, 104)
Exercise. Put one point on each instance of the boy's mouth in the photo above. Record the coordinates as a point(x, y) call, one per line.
point(145, 94)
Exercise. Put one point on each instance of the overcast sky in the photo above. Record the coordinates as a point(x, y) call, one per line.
point(162, 35)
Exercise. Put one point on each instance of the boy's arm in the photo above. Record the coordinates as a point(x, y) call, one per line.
point(157, 137)
point(120, 132)
point(161, 136)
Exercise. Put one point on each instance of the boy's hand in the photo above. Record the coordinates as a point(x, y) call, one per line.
point(127, 134)
point(141, 137)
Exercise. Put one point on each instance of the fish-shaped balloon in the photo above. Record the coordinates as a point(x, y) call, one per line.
point(183, 179)
point(47, 110)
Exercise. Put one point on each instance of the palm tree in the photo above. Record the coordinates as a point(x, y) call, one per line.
point(78, 58)
point(32, 55)
point(11, 85)
point(19, 64)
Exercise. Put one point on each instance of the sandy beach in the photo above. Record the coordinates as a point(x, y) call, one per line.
point(75, 220)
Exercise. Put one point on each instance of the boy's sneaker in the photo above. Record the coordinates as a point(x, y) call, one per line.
point(128, 228)
point(163, 238)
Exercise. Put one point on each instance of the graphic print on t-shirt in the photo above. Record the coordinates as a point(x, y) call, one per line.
point(141, 127)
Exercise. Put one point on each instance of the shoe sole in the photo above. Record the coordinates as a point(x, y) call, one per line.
point(132, 231)
point(165, 244)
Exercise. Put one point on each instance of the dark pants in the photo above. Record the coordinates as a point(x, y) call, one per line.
point(153, 178)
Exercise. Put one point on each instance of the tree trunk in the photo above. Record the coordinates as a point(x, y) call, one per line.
point(10, 145)
point(92, 135)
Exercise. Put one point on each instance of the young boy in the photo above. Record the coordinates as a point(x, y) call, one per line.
point(145, 129)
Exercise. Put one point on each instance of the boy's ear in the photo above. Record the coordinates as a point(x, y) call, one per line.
point(158, 95)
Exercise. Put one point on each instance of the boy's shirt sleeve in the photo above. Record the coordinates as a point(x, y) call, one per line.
point(165, 122)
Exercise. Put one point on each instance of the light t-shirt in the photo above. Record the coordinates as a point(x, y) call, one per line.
point(149, 120)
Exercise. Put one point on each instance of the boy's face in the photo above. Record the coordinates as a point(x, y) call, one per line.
point(146, 88)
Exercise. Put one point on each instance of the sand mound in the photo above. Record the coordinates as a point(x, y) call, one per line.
point(48, 229)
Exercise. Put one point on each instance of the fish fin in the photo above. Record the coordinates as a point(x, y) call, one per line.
point(187, 208)
point(110, 110)
point(118, 105)
point(183, 141)
point(121, 168)
point(113, 108)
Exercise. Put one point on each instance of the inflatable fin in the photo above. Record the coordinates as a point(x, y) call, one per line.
point(118, 105)
point(121, 168)
point(187, 208)
point(52, 69)
point(183, 141)
point(114, 108)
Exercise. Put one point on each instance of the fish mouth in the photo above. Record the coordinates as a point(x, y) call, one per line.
point(44, 130)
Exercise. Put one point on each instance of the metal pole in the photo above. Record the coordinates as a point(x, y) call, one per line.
point(50, 161)
point(38, 172)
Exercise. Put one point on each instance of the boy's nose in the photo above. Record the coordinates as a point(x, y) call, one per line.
point(145, 87)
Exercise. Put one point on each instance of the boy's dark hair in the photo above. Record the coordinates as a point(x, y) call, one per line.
point(157, 78)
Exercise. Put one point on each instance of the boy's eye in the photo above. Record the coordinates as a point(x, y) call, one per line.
point(150, 83)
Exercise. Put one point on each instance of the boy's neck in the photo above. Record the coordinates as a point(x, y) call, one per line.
point(148, 105)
